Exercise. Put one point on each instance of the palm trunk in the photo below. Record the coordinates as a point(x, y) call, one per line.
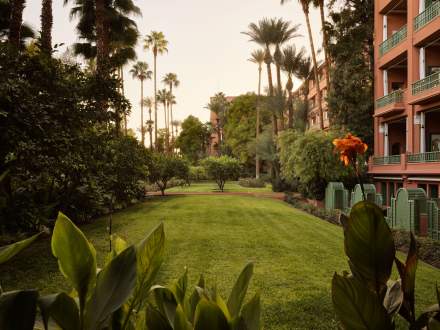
point(171, 113)
point(142, 113)
point(325, 44)
point(150, 129)
point(315, 67)
point(123, 94)
point(306, 104)
point(102, 50)
point(274, 117)
point(279, 78)
point(46, 26)
point(257, 126)
point(16, 22)
point(155, 99)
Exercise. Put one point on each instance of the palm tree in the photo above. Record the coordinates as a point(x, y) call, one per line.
point(158, 44)
point(16, 22)
point(291, 63)
point(282, 33)
point(163, 96)
point(148, 102)
point(5, 23)
point(171, 100)
point(257, 56)
point(306, 6)
point(171, 81)
point(219, 105)
point(141, 71)
point(46, 26)
point(320, 5)
point(304, 72)
point(262, 34)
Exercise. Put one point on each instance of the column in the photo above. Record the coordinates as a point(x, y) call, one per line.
point(422, 63)
point(385, 28)
point(407, 123)
point(386, 144)
point(421, 6)
point(385, 82)
point(422, 133)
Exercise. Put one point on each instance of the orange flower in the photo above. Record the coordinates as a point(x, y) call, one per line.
point(349, 147)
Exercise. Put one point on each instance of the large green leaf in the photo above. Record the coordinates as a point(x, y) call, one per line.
point(9, 251)
point(18, 310)
point(76, 256)
point(155, 320)
point(393, 298)
point(180, 321)
point(369, 245)
point(113, 287)
point(166, 302)
point(209, 316)
point(193, 300)
point(62, 309)
point(239, 290)
point(251, 313)
point(358, 307)
point(179, 287)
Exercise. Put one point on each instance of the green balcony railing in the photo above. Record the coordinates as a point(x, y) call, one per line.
point(393, 41)
point(386, 160)
point(427, 15)
point(426, 157)
point(394, 97)
point(433, 80)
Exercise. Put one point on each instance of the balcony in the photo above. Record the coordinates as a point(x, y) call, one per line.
point(427, 16)
point(393, 41)
point(390, 104)
point(426, 89)
point(427, 157)
point(394, 97)
point(387, 160)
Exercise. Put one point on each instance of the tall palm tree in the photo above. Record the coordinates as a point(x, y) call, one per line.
point(262, 33)
point(171, 81)
point(320, 5)
point(171, 100)
point(156, 42)
point(141, 71)
point(148, 102)
point(162, 97)
point(257, 56)
point(292, 61)
point(305, 4)
point(305, 72)
point(16, 22)
point(283, 32)
point(46, 26)
point(5, 23)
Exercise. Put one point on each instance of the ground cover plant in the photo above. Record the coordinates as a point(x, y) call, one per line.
point(201, 233)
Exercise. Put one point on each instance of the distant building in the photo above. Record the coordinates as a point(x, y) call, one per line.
point(407, 93)
point(214, 145)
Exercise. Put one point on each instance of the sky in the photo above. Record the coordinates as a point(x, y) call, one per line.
point(206, 48)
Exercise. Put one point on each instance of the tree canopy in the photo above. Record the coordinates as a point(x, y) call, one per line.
point(193, 139)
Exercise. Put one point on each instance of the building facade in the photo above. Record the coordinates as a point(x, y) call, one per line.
point(407, 94)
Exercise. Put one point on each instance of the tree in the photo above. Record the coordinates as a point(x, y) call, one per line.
point(291, 62)
point(16, 22)
point(304, 73)
point(221, 169)
point(163, 97)
point(219, 105)
point(257, 56)
point(5, 23)
point(325, 40)
point(171, 81)
point(157, 43)
point(140, 71)
point(148, 102)
point(46, 26)
point(351, 94)
point(193, 139)
point(305, 4)
point(165, 167)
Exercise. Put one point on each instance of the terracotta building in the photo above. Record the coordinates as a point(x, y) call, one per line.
point(407, 94)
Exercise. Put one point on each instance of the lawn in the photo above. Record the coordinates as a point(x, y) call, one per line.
point(231, 186)
point(295, 254)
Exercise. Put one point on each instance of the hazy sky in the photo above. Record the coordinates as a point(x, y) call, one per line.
point(206, 48)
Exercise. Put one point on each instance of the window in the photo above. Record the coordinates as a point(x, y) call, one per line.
point(423, 186)
point(396, 85)
point(433, 69)
point(314, 120)
point(433, 191)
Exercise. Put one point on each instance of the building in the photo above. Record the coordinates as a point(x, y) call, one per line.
point(213, 118)
point(407, 94)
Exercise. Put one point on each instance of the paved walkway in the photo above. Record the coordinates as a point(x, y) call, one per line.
point(274, 195)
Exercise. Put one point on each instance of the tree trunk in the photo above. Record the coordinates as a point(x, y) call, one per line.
point(290, 109)
point(274, 117)
point(325, 44)
point(16, 22)
point(171, 113)
point(46, 26)
point(315, 66)
point(257, 127)
point(155, 100)
point(142, 113)
point(102, 49)
point(150, 129)
point(123, 94)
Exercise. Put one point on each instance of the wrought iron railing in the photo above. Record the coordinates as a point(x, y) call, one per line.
point(393, 41)
point(427, 15)
point(426, 157)
point(433, 80)
point(394, 97)
point(386, 160)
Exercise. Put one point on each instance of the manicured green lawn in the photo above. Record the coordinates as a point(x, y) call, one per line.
point(231, 186)
point(295, 254)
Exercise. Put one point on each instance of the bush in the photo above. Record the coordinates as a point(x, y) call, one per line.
point(164, 168)
point(252, 183)
point(197, 173)
point(221, 169)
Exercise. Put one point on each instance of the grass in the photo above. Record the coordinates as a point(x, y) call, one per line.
point(295, 254)
point(231, 186)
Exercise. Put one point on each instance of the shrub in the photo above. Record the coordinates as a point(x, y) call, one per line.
point(252, 183)
point(221, 169)
point(164, 167)
point(197, 173)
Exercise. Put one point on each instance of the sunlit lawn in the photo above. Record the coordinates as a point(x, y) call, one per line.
point(295, 254)
point(208, 186)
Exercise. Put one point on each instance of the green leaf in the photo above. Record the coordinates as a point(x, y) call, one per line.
point(76, 256)
point(179, 287)
point(9, 251)
point(191, 304)
point(239, 290)
point(358, 307)
point(114, 285)
point(166, 302)
point(369, 245)
point(209, 316)
point(118, 245)
point(18, 309)
point(393, 298)
point(251, 313)
point(154, 320)
point(62, 309)
point(180, 321)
